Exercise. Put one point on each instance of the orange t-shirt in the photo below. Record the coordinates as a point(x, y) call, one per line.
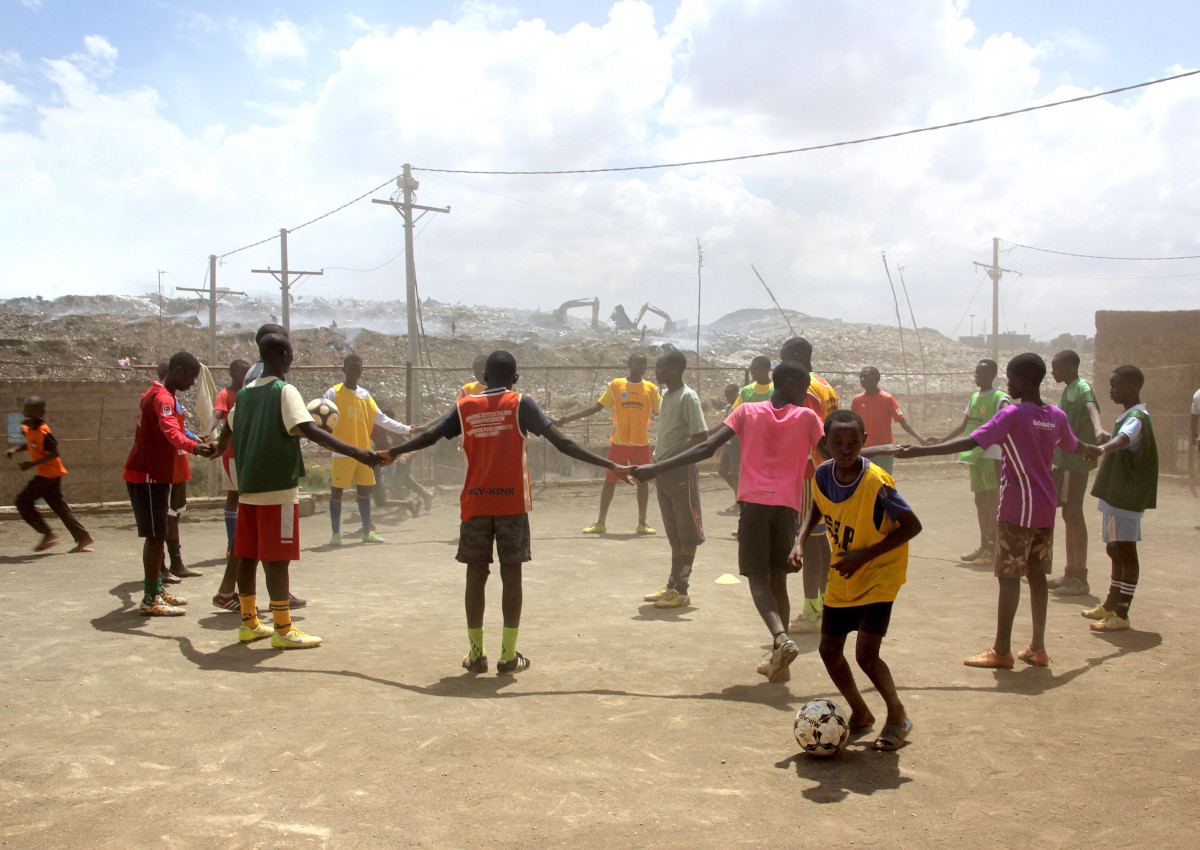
point(497, 482)
point(35, 439)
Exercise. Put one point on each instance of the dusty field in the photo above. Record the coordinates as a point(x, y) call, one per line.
point(635, 727)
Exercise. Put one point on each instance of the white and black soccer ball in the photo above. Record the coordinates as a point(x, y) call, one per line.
point(324, 412)
point(822, 727)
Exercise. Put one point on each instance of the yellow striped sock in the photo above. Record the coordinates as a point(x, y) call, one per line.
point(249, 605)
point(281, 613)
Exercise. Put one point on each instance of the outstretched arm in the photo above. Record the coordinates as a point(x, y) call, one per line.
point(702, 450)
point(911, 430)
point(962, 426)
point(326, 440)
point(575, 451)
point(579, 414)
point(962, 444)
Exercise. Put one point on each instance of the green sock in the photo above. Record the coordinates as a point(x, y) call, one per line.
point(813, 609)
point(475, 636)
point(508, 644)
point(151, 587)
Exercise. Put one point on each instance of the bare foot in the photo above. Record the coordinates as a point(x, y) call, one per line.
point(861, 723)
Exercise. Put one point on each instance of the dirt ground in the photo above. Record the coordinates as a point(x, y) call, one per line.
point(635, 727)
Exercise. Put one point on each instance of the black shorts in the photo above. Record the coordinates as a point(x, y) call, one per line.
point(679, 501)
point(766, 534)
point(510, 533)
point(872, 618)
point(150, 503)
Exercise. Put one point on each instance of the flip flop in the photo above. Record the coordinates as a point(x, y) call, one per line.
point(893, 737)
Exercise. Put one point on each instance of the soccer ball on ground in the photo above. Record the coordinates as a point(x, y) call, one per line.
point(325, 413)
point(822, 727)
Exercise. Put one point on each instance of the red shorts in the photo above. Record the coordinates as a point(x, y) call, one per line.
point(268, 532)
point(626, 456)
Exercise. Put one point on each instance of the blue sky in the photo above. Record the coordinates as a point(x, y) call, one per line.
point(140, 135)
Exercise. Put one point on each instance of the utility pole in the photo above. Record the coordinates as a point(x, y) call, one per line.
point(995, 273)
point(408, 186)
point(213, 295)
point(284, 277)
point(699, 285)
point(160, 300)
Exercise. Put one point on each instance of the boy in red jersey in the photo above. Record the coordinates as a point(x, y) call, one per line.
point(878, 410)
point(47, 480)
point(150, 471)
point(496, 496)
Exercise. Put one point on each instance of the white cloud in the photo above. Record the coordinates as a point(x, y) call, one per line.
point(488, 91)
point(283, 40)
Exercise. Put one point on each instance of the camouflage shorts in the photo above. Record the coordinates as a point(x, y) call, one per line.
point(1021, 551)
point(509, 533)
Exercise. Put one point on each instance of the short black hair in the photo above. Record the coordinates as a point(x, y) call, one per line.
point(1067, 356)
point(269, 329)
point(800, 348)
point(272, 346)
point(988, 363)
point(673, 357)
point(638, 355)
point(184, 360)
point(351, 358)
point(789, 371)
point(1132, 374)
point(239, 364)
point(35, 401)
point(1028, 365)
point(871, 369)
point(761, 360)
point(501, 367)
point(843, 418)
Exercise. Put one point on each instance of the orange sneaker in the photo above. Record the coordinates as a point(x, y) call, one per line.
point(992, 659)
point(1036, 657)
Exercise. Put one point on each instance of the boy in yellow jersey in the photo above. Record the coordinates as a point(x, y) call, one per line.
point(822, 400)
point(869, 526)
point(357, 415)
point(632, 401)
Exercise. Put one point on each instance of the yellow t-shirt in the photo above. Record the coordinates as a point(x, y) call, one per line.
point(850, 524)
point(825, 395)
point(473, 388)
point(356, 415)
point(632, 405)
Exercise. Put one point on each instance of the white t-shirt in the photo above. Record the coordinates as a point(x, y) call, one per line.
point(1196, 404)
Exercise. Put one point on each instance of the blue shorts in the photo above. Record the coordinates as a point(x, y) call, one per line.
point(1120, 526)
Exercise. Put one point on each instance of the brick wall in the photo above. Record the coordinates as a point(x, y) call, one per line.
point(1166, 347)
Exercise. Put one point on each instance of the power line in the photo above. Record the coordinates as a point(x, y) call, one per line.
point(1097, 256)
point(826, 146)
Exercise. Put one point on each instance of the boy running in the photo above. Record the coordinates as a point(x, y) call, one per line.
point(1027, 432)
point(265, 429)
point(878, 411)
point(632, 401)
point(984, 466)
point(680, 426)
point(496, 498)
point(357, 415)
point(46, 483)
point(1127, 485)
point(150, 471)
point(771, 492)
point(869, 525)
point(1071, 471)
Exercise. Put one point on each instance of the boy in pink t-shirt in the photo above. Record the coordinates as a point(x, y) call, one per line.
point(777, 437)
point(1027, 432)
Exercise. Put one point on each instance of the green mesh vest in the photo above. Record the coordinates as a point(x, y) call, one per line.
point(1129, 480)
point(267, 457)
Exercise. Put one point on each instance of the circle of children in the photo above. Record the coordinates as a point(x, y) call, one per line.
point(813, 482)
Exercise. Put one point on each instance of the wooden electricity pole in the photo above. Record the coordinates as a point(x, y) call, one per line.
point(285, 277)
point(407, 185)
point(213, 295)
point(995, 273)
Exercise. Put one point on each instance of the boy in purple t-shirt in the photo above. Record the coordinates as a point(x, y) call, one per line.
point(1027, 433)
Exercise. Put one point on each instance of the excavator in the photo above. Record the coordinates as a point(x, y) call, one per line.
point(559, 316)
point(621, 319)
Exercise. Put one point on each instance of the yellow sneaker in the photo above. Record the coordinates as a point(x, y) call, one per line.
point(1097, 613)
point(673, 599)
point(596, 528)
point(293, 638)
point(1111, 623)
point(642, 528)
point(247, 634)
point(658, 594)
